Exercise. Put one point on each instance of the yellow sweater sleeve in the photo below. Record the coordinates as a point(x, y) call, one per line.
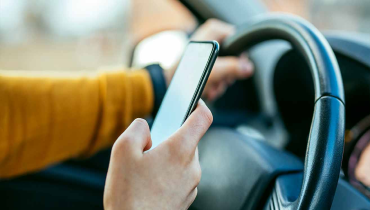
point(46, 118)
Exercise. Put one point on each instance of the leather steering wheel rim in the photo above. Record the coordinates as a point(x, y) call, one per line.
point(326, 139)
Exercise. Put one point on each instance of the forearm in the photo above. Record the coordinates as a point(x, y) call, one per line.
point(46, 119)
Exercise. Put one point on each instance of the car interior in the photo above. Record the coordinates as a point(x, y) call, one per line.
point(287, 155)
point(289, 137)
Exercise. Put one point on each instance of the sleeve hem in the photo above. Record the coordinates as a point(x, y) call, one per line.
point(159, 85)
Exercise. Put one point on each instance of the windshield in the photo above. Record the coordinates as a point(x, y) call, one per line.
point(328, 15)
point(87, 34)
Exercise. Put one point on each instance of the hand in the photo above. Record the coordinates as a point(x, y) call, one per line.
point(226, 69)
point(163, 178)
point(362, 171)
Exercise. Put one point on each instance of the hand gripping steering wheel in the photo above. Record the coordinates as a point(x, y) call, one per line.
point(326, 139)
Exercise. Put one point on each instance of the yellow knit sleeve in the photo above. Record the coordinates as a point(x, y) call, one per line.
point(46, 118)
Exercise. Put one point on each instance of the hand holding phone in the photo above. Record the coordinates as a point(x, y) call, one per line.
point(185, 89)
point(173, 167)
point(134, 178)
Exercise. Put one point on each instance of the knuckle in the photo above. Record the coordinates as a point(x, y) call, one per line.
point(129, 136)
point(123, 143)
point(141, 122)
point(212, 23)
point(143, 126)
point(207, 116)
point(108, 200)
point(233, 63)
point(194, 194)
point(360, 175)
point(230, 67)
point(197, 174)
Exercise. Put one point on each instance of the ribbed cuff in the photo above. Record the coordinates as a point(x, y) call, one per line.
point(159, 85)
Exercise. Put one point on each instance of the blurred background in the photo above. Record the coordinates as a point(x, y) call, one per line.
point(87, 34)
point(75, 35)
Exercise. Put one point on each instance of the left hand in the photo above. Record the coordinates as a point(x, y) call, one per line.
point(362, 171)
point(226, 69)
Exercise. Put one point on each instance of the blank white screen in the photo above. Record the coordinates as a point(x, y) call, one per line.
point(180, 92)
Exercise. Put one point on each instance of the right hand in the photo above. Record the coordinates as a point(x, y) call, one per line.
point(163, 178)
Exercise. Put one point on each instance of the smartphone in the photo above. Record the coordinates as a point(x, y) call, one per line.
point(185, 89)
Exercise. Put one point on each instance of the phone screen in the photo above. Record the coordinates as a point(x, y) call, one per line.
point(180, 93)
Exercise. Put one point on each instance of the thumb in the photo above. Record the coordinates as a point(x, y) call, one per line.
point(137, 136)
point(194, 128)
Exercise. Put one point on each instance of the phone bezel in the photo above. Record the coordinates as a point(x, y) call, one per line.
point(204, 78)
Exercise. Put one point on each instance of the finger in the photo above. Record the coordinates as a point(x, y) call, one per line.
point(216, 91)
point(230, 68)
point(196, 157)
point(362, 170)
point(211, 94)
point(230, 81)
point(191, 197)
point(221, 88)
point(213, 29)
point(137, 136)
point(188, 136)
point(246, 63)
point(208, 90)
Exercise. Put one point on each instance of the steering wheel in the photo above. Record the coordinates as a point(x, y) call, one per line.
point(242, 173)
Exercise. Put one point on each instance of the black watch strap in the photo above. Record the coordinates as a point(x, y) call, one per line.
point(159, 85)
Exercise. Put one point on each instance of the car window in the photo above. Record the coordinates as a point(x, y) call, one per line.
point(328, 15)
point(81, 34)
